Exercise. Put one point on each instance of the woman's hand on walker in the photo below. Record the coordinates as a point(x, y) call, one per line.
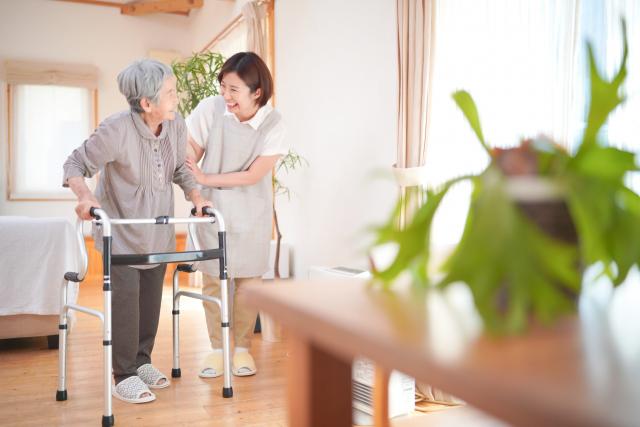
point(83, 207)
point(200, 204)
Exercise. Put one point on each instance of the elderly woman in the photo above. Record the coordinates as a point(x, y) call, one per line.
point(140, 153)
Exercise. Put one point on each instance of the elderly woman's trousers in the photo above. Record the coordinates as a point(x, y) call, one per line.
point(136, 299)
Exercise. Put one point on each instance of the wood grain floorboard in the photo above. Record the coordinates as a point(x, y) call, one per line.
point(28, 378)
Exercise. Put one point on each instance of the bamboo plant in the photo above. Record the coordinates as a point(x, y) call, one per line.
point(197, 79)
point(288, 163)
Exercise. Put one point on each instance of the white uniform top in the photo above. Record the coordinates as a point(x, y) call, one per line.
point(231, 146)
point(201, 118)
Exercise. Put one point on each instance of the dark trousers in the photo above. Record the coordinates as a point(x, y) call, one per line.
point(136, 299)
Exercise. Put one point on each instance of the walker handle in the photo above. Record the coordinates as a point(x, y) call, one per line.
point(92, 212)
point(205, 210)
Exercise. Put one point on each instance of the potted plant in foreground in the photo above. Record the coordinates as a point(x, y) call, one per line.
point(538, 217)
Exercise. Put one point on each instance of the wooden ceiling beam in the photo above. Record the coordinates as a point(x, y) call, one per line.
point(146, 7)
point(138, 8)
point(96, 3)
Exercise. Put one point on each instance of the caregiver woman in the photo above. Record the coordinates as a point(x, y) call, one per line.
point(241, 138)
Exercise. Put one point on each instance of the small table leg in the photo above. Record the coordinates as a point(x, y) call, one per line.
point(381, 397)
point(319, 387)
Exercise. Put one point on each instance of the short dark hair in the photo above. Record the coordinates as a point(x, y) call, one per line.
point(253, 72)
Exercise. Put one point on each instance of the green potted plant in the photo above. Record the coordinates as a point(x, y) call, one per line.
point(523, 253)
point(196, 79)
point(287, 163)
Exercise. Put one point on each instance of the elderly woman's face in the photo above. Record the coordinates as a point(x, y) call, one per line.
point(167, 104)
point(238, 96)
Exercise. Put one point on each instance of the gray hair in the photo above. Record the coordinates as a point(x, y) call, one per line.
point(143, 79)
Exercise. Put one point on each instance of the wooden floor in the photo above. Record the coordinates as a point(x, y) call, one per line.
point(28, 379)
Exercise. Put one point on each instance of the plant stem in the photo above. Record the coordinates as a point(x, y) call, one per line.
point(276, 265)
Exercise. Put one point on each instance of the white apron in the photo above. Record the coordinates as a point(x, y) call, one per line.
point(247, 210)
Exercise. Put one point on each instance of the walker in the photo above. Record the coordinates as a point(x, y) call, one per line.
point(102, 220)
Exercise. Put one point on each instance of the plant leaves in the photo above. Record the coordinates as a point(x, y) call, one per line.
point(504, 258)
point(607, 163)
point(414, 240)
point(196, 79)
point(468, 107)
point(513, 269)
point(605, 94)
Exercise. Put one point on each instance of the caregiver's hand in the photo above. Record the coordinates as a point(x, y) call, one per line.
point(195, 170)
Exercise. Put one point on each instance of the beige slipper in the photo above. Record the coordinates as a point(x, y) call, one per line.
point(213, 365)
point(243, 364)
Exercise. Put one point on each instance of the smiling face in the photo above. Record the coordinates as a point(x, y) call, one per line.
point(166, 105)
point(238, 97)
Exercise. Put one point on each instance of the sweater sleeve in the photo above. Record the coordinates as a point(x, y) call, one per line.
point(99, 149)
point(182, 176)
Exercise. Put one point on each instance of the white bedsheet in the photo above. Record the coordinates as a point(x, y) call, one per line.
point(34, 255)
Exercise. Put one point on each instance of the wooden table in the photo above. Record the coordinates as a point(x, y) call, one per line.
point(583, 371)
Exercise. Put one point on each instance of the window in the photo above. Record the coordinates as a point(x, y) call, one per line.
point(517, 59)
point(233, 42)
point(51, 110)
point(525, 65)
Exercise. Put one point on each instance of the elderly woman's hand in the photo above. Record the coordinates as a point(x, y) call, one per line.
point(84, 205)
point(198, 201)
point(195, 170)
point(200, 204)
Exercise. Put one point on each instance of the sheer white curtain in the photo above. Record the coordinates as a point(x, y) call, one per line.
point(517, 58)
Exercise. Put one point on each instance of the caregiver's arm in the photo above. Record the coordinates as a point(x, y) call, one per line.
point(194, 151)
point(258, 169)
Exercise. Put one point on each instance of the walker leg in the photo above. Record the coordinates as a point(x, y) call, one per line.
point(107, 418)
point(61, 393)
point(175, 372)
point(227, 390)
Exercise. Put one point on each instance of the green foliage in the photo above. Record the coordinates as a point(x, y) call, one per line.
point(508, 263)
point(468, 107)
point(291, 161)
point(605, 95)
point(514, 270)
point(197, 78)
point(413, 240)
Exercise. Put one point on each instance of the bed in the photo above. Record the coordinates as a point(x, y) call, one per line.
point(34, 255)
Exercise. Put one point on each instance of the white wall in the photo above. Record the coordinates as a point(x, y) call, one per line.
point(44, 30)
point(336, 89)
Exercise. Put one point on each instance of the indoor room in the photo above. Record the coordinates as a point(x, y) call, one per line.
point(392, 213)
